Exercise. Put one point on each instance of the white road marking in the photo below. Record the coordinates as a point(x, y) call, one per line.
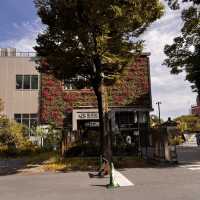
point(193, 167)
point(121, 179)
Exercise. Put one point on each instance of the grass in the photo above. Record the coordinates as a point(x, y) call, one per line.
point(51, 161)
point(89, 163)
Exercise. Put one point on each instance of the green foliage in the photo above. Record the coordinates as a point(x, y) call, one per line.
point(184, 53)
point(98, 38)
point(175, 4)
point(154, 120)
point(188, 123)
point(93, 150)
point(92, 39)
point(51, 136)
point(13, 138)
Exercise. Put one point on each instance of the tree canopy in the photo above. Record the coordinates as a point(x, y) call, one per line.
point(184, 53)
point(188, 123)
point(92, 39)
point(175, 4)
point(86, 38)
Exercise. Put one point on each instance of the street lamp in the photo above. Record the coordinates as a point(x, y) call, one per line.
point(158, 103)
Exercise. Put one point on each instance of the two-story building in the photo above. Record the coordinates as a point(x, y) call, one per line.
point(32, 98)
point(129, 102)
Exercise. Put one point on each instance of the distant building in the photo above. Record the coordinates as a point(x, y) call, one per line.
point(19, 86)
point(31, 98)
point(196, 109)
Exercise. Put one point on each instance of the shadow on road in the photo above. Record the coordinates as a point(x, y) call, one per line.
point(18, 165)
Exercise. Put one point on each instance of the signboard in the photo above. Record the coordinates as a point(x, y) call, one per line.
point(87, 115)
point(92, 124)
point(84, 114)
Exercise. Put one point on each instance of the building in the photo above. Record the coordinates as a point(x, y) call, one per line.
point(196, 109)
point(32, 98)
point(19, 86)
point(129, 101)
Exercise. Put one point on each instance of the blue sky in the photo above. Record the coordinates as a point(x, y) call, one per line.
point(20, 25)
point(14, 13)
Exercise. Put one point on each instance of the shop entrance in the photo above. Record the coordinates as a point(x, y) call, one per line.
point(88, 131)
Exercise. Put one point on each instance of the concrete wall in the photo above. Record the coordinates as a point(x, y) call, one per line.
point(17, 101)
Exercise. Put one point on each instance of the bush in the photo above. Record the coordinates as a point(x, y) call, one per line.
point(13, 139)
point(90, 150)
point(83, 150)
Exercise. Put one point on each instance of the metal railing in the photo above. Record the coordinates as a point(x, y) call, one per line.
point(18, 54)
point(25, 54)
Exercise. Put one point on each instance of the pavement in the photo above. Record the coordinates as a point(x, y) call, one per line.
point(152, 183)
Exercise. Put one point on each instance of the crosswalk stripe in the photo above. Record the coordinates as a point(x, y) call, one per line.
point(194, 168)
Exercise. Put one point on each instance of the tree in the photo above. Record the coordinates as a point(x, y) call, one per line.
point(175, 4)
point(184, 53)
point(154, 120)
point(188, 123)
point(92, 39)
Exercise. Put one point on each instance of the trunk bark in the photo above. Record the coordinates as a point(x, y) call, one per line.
point(105, 136)
point(101, 121)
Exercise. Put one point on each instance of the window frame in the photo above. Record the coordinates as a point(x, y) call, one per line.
point(21, 117)
point(31, 78)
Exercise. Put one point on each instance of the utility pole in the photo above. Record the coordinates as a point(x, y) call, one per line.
point(158, 103)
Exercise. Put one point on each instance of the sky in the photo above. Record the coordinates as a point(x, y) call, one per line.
point(20, 25)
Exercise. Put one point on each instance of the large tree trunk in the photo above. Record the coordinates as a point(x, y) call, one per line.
point(105, 137)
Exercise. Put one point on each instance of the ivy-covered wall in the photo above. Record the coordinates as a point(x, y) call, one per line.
point(132, 89)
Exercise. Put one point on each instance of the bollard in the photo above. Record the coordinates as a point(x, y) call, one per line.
point(113, 183)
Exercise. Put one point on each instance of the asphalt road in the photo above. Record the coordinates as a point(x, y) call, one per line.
point(158, 183)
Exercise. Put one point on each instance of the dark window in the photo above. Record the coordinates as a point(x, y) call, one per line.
point(27, 82)
point(34, 82)
point(76, 83)
point(126, 119)
point(19, 82)
point(18, 118)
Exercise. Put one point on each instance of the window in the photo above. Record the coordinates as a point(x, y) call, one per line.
point(19, 79)
point(34, 82)
point(126, 119)
point(29, 120)
point(75, 83)
point(27, 82)
point(143, 117)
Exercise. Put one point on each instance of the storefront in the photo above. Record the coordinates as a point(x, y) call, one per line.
point(127, 125)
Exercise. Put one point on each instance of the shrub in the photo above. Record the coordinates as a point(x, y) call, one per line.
point(13, 139)
point(90, 150)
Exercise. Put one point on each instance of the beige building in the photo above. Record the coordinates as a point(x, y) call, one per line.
point(19, 86)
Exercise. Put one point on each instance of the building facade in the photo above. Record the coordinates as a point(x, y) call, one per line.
point(129, 102)
point(196, 109)
point(19, 86)
point(32, 98)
